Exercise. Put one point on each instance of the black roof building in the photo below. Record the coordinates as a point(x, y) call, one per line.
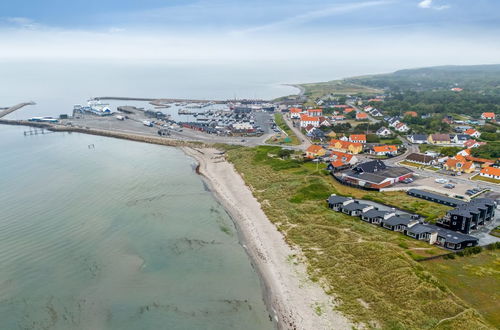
point(469, 216)
point(433, 197)
point(355, 206)
point(334, 199)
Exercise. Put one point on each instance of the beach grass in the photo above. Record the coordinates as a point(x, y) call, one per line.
point(474, 278)
point(336, 87)
point(372, 272)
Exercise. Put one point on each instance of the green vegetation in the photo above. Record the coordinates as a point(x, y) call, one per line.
point(496, 232)
point(485, 179)
point(291, 138)
point(475, 279)
point(314, 91)
point(371, 271)
point(431, 147)
point(490, 151)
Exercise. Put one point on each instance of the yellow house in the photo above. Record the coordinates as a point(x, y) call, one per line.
point(315, 151)
point(346, 146)
point(439, 139)
point(459, 164)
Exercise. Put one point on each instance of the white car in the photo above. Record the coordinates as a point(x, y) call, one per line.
point(441, 180)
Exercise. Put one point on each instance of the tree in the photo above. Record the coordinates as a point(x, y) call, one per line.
point(372, 138)
point(284, 153)
point(450, 151)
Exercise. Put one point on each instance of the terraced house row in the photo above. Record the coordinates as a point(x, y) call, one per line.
point(409, 225)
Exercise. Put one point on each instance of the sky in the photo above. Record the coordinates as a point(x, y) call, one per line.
point(408, 33)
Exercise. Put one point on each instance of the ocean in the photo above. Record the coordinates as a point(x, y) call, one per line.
point(99, 233)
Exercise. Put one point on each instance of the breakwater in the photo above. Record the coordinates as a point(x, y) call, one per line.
point(114, 134)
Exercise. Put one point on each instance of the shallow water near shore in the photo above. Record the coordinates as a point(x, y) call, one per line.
point(120, 236)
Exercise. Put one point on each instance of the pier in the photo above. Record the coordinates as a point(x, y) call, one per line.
point(14, 108)
point(37, 131)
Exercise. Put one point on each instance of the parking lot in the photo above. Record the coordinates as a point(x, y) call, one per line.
point(459, 188)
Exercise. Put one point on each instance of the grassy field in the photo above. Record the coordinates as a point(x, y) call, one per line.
point(371, 271)
point(482, 178)
point(475, 279)
point(294, 140)
point(336, 87)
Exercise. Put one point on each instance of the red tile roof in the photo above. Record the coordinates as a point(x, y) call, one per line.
point(488, 114)
point(295, 110)
point(385, 149)
point(314, 149)
point(304, 117)
point(491, 171)
point(361, 115)
point(470, 131)
point(357, 137)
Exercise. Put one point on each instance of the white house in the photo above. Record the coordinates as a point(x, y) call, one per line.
point(490, 172)
point(472, 133)
point(402, 127)
point(418, 138)
point(306, 120)
point(383, 131)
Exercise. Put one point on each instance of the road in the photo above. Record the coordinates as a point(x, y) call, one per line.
point(305, 142)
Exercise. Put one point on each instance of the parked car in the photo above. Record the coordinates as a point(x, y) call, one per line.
point(408, 180)
point(449, 186)
point(441, 180)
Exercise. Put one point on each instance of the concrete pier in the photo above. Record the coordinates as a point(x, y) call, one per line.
point(14, 108)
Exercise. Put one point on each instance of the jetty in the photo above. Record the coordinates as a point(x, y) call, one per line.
point(14, 108)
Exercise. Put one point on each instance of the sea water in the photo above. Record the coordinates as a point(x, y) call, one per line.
point(99, 233)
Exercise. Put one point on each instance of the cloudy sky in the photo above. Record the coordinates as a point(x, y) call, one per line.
point(411, 32)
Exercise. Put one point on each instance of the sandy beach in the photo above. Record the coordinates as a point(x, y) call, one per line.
point(294, 300)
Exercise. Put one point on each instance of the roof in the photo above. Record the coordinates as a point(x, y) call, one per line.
point(462, 137)
point(440, 137)
point(470, 143)
point(334, 199)
point(470, 131)
point(453, 236)
point(347, 110)
point(357, 137)
point(341, 106)
point(304, 117)
point(314, 110)
point(296, 110)
point(491, 171)
point(345, 144)
point(375, 100)
point(386, 148)
point(356, 206)
point(371, 166)
point(411, 113)
point(399, 220)
point(488, 114)
point(314, 148)
point(381, 129)
point(479, 160)
point(458, 162)
point(421, 158)
point(342, 156)
point(431, 195)
point(419, 137)
point(361, 115)
point(420, 228)
point(375, 213)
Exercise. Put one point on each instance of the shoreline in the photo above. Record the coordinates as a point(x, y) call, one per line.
point(291, 297)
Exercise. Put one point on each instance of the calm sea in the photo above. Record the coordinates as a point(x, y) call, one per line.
point(120, 236)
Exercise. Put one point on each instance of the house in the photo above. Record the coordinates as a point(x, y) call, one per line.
point(399, 222)
point(376, 113)
point(384, 150)
point(336, 202)
point(361, 116)
point(315, 151)
point(462, 129)
point(480, 162)
point(375, 216)
point(472, 133)
point(459, 164)
point(422, 232)
point(488, 116)
point(347, 110)
point(393, 122)
point(341, 160)
point(401, 127)
point(490, 172)
point(473, 144)
point(324, 122)
point(368, 108)
point(421, 159)
point(338, 118)
point(436, 198)
point(383, 131)
point(359, 138)
point(317, 134)
point(374, 175)
point(346, 146)
point(309, 128)
point(439, 139)
point(464, 153)
point(460, 139)
point(375, 100)
point(469, 216)
point(411, 114)
point(418, 138)
point(355, 208)
point(295, 113)
point(452, 240)
point(457, 89)
point(314, 112)
point(306, 120)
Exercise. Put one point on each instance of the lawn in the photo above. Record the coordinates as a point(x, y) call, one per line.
point(370, 271)
point(482, 178)
point(475, 279)
point(336, 87)
point(294, 140)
